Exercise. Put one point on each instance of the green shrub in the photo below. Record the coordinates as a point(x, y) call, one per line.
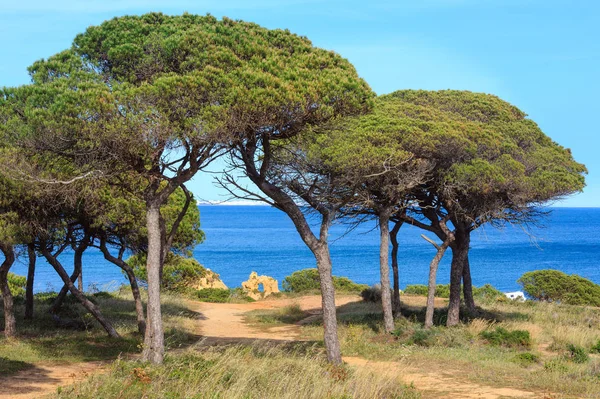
point(441, 290)
point(307, 280)
point(511, 339)
point(180, 274)
point(487, 292)
point(16, 284)
point(595, 348)
point(556, 365)
point(421, 337)
point(371, 294)
point(577, 354)
point(526, 358)
point(556, 286)
point(416, 289)
point(217, 295)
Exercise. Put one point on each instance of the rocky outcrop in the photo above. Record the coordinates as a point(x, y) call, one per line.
point(210, 279)
point(251, 287)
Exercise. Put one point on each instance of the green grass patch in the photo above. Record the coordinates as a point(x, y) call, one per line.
point(510, 339)
point(289, 314)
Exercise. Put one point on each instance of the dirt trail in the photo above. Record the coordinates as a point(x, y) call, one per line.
point(44, 379)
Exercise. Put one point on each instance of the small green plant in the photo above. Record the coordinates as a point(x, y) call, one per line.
point(526, 358)
point(510, 339)
point(556, 365)
point(216, 295)
point(595, 348)
point(577, 354)
point(421, 337)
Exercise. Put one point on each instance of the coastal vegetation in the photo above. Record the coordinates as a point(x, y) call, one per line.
point(97, 150)
point(556, 286)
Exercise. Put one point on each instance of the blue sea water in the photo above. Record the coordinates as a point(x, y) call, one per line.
point(242, 239)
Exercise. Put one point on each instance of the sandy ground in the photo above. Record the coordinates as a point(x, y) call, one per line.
point(224, 323)
point(44, 379)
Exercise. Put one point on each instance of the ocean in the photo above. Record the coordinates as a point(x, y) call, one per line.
point(242, 239)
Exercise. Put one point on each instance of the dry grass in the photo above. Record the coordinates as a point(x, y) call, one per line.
point(461, 349)
point(241, 372)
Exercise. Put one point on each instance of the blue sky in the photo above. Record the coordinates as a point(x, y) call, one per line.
point(541, 55)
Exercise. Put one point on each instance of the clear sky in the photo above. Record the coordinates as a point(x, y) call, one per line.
point(541, 55)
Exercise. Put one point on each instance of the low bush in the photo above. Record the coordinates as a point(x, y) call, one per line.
point(307, 280)
point(577, 354)
point(556, 365)
point(526, 358)
point(220, 295)
point(595, 348)
point(510, 339)
point(217, 295)
point(180, 274)
point(486, 292)
point(556, 286)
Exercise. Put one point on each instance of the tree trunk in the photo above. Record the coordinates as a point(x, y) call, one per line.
point(459, 253)
point(384, 270)
point(10, 323)
point(135, 289)
point(332, 344)
point(80, 280)
point(396, 306)
point(93, 309)
point(468, 286)
point(78, 265)
point(433, 267)
point(154, 338)
point(30, 279)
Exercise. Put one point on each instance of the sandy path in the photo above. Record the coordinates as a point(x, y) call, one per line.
point(44, 379)
point(224, 322)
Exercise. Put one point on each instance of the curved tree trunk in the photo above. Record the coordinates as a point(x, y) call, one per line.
point(80, 280)
point(384, 270)
point(30, 279)
point(459, 253)
point(77, 267)
point(396, 305)
point(468, 286)
point(10, 323)
point(135, 289)
point(93, 309)
point(154, 349)
point(433, 267)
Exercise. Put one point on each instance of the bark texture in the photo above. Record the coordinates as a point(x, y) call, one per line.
point(10, 323)
point(87, 304)
point(154, 349)
point(396, 306)
point(384, 270)
point(30, 280)
point(468, 286)
point(460, 251)
point(332, 345)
